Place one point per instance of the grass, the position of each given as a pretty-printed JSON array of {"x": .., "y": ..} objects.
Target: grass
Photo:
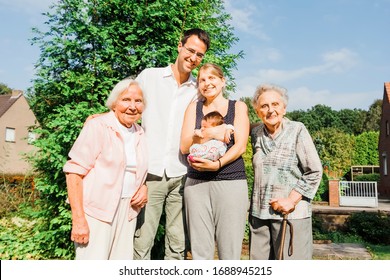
[{"x": 379, "y": 252}]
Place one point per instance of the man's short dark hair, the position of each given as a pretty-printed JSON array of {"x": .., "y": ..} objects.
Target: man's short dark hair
[{"x": 200, "y": 33}]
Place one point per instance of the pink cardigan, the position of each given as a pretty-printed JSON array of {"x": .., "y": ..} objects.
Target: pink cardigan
[{"x": 98, "y": 154}]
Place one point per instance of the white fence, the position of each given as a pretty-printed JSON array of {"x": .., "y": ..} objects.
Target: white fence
[{"x": 358, "y": 194}]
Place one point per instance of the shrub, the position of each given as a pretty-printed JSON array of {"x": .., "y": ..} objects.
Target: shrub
[
  {"x": 372, "y": 227},
  {"x": 375, "y": 177},
  {"x": 15, "y": 190},
  {"x": 18, "y": 239},
  {"x": 322, "y": 193},
  {"x": 17, "y": 180}
]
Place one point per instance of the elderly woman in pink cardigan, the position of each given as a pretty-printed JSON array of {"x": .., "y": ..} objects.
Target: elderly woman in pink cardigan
[{"x": 105, "y": 177}]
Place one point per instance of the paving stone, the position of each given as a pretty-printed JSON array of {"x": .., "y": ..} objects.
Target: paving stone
[{"x": 340, "y": 251}]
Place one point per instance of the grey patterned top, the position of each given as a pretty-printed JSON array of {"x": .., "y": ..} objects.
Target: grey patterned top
[{"x": 289, "y": 161}]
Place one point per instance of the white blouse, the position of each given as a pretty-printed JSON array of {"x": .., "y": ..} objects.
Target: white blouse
[{"x": 129, "y": 187}]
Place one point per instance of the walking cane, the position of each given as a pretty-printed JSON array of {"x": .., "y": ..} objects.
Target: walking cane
[{"x": 285, "y": 221}]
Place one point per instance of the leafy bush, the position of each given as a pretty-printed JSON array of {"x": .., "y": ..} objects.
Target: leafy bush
[
  {"x": 375, "y": 177},
  {"x": 336, "y": 236},
  {"x": 372, "y": 227},
  {"x": 19, "y": 230},
  {"x": 317, "y": 228},
  {"x": 15, "y": 190},
  {"x": 247, "y": 156},
  {"x": 17, "y": 180},
  {"x": 17, "y": 239},
  {"x": 322, "y": 193}
]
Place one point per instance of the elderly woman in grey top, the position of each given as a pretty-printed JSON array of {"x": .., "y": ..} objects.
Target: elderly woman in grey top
[{"x": 288, "y": 172}]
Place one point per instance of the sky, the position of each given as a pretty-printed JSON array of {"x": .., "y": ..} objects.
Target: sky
[{"x": 334, "y": 52}]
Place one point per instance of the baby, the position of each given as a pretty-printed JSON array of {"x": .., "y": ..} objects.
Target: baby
[{"x": 212, "y": 149}]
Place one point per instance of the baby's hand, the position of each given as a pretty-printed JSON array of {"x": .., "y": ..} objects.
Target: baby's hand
[
  {"x": 228, "y": 132},
  {"x": 191, "y": 159},
  {"x": 198, "y": 133}
]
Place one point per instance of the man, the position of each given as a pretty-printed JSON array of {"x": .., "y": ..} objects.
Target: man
[{"x": 167, "y": 92}]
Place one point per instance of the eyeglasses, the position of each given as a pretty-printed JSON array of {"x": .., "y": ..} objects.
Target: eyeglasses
[{"x": 199, "y": 56}]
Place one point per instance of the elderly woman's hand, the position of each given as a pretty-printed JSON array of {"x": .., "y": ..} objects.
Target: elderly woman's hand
[
  {"x": 286, "y": 205},
  {"x": 80, "y": 231},
  {"x": 282, "y": 205},
  {"x": 140, "y": 198}
]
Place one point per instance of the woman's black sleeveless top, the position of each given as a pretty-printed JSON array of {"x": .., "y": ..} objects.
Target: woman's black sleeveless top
[{"x": 232, "y": 171}]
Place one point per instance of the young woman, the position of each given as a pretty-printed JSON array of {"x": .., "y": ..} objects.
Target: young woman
[{"x": 216, "y": 192}]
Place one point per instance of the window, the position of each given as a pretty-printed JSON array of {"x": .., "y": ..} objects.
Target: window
[
  {"x": 384, "y": 158},
  {"x": 31, "y": 137},
  {"x": 9, "y": 134},
  {"x": 387, "y": 128}
]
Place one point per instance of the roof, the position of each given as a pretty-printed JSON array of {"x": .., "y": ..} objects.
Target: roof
[
  {"x": 387, "y": 91},
  {"x": 7, "y": 100}
]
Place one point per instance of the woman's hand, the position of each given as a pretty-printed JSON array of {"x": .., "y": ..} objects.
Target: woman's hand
[
  {"x": 216, "y": 132},
  {"x": 80, "y": 231},
  {"x": 286, "y": 205},
  {"x": 140, "y": 198},
  {"x": 202, "y": 164},
  {"x": 80, "y": 228},
  {"x": 282, "y": 205}
]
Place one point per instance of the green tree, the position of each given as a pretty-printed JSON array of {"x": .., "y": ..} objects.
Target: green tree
[
  {"x": 321, "y": 116},
  {"x": 335, "y": 149},
  {"x": 352, "y": 121},
  {"x": 253, "y": 117},
  {"x": 4, "y": 89},
  {"x": 296, "y": 115},
  {"x": 88, "y": 47},
  {"x": 318, "y": 117},
  {"x": 373, "y": 118},
  {"x": 366, "y": 149}
]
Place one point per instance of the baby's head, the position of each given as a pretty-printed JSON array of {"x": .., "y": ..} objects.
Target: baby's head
[{"x": 211, "y": 119}]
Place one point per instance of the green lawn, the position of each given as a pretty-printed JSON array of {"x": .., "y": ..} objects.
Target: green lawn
[{"x": 379, "y": 252}]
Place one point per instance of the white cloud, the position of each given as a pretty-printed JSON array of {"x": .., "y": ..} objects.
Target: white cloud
[
  {"x": 304, "y": 98},
  {"x": 281, "y": 76},
  {"x": 243, "y": 18},
  {"x": 246, "y": 87},
  {"x": 333, "y": 62},
  {"x": 341, "y": 60},
  {"x": 255, "y": 56}
]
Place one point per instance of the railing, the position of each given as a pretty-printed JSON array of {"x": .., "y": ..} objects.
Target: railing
[{"x": 356, "y": 193}]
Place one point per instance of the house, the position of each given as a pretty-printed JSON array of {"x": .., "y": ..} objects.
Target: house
[
  {"x": 16, "y": 118},
  {"x": 384, "y": 145}
]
